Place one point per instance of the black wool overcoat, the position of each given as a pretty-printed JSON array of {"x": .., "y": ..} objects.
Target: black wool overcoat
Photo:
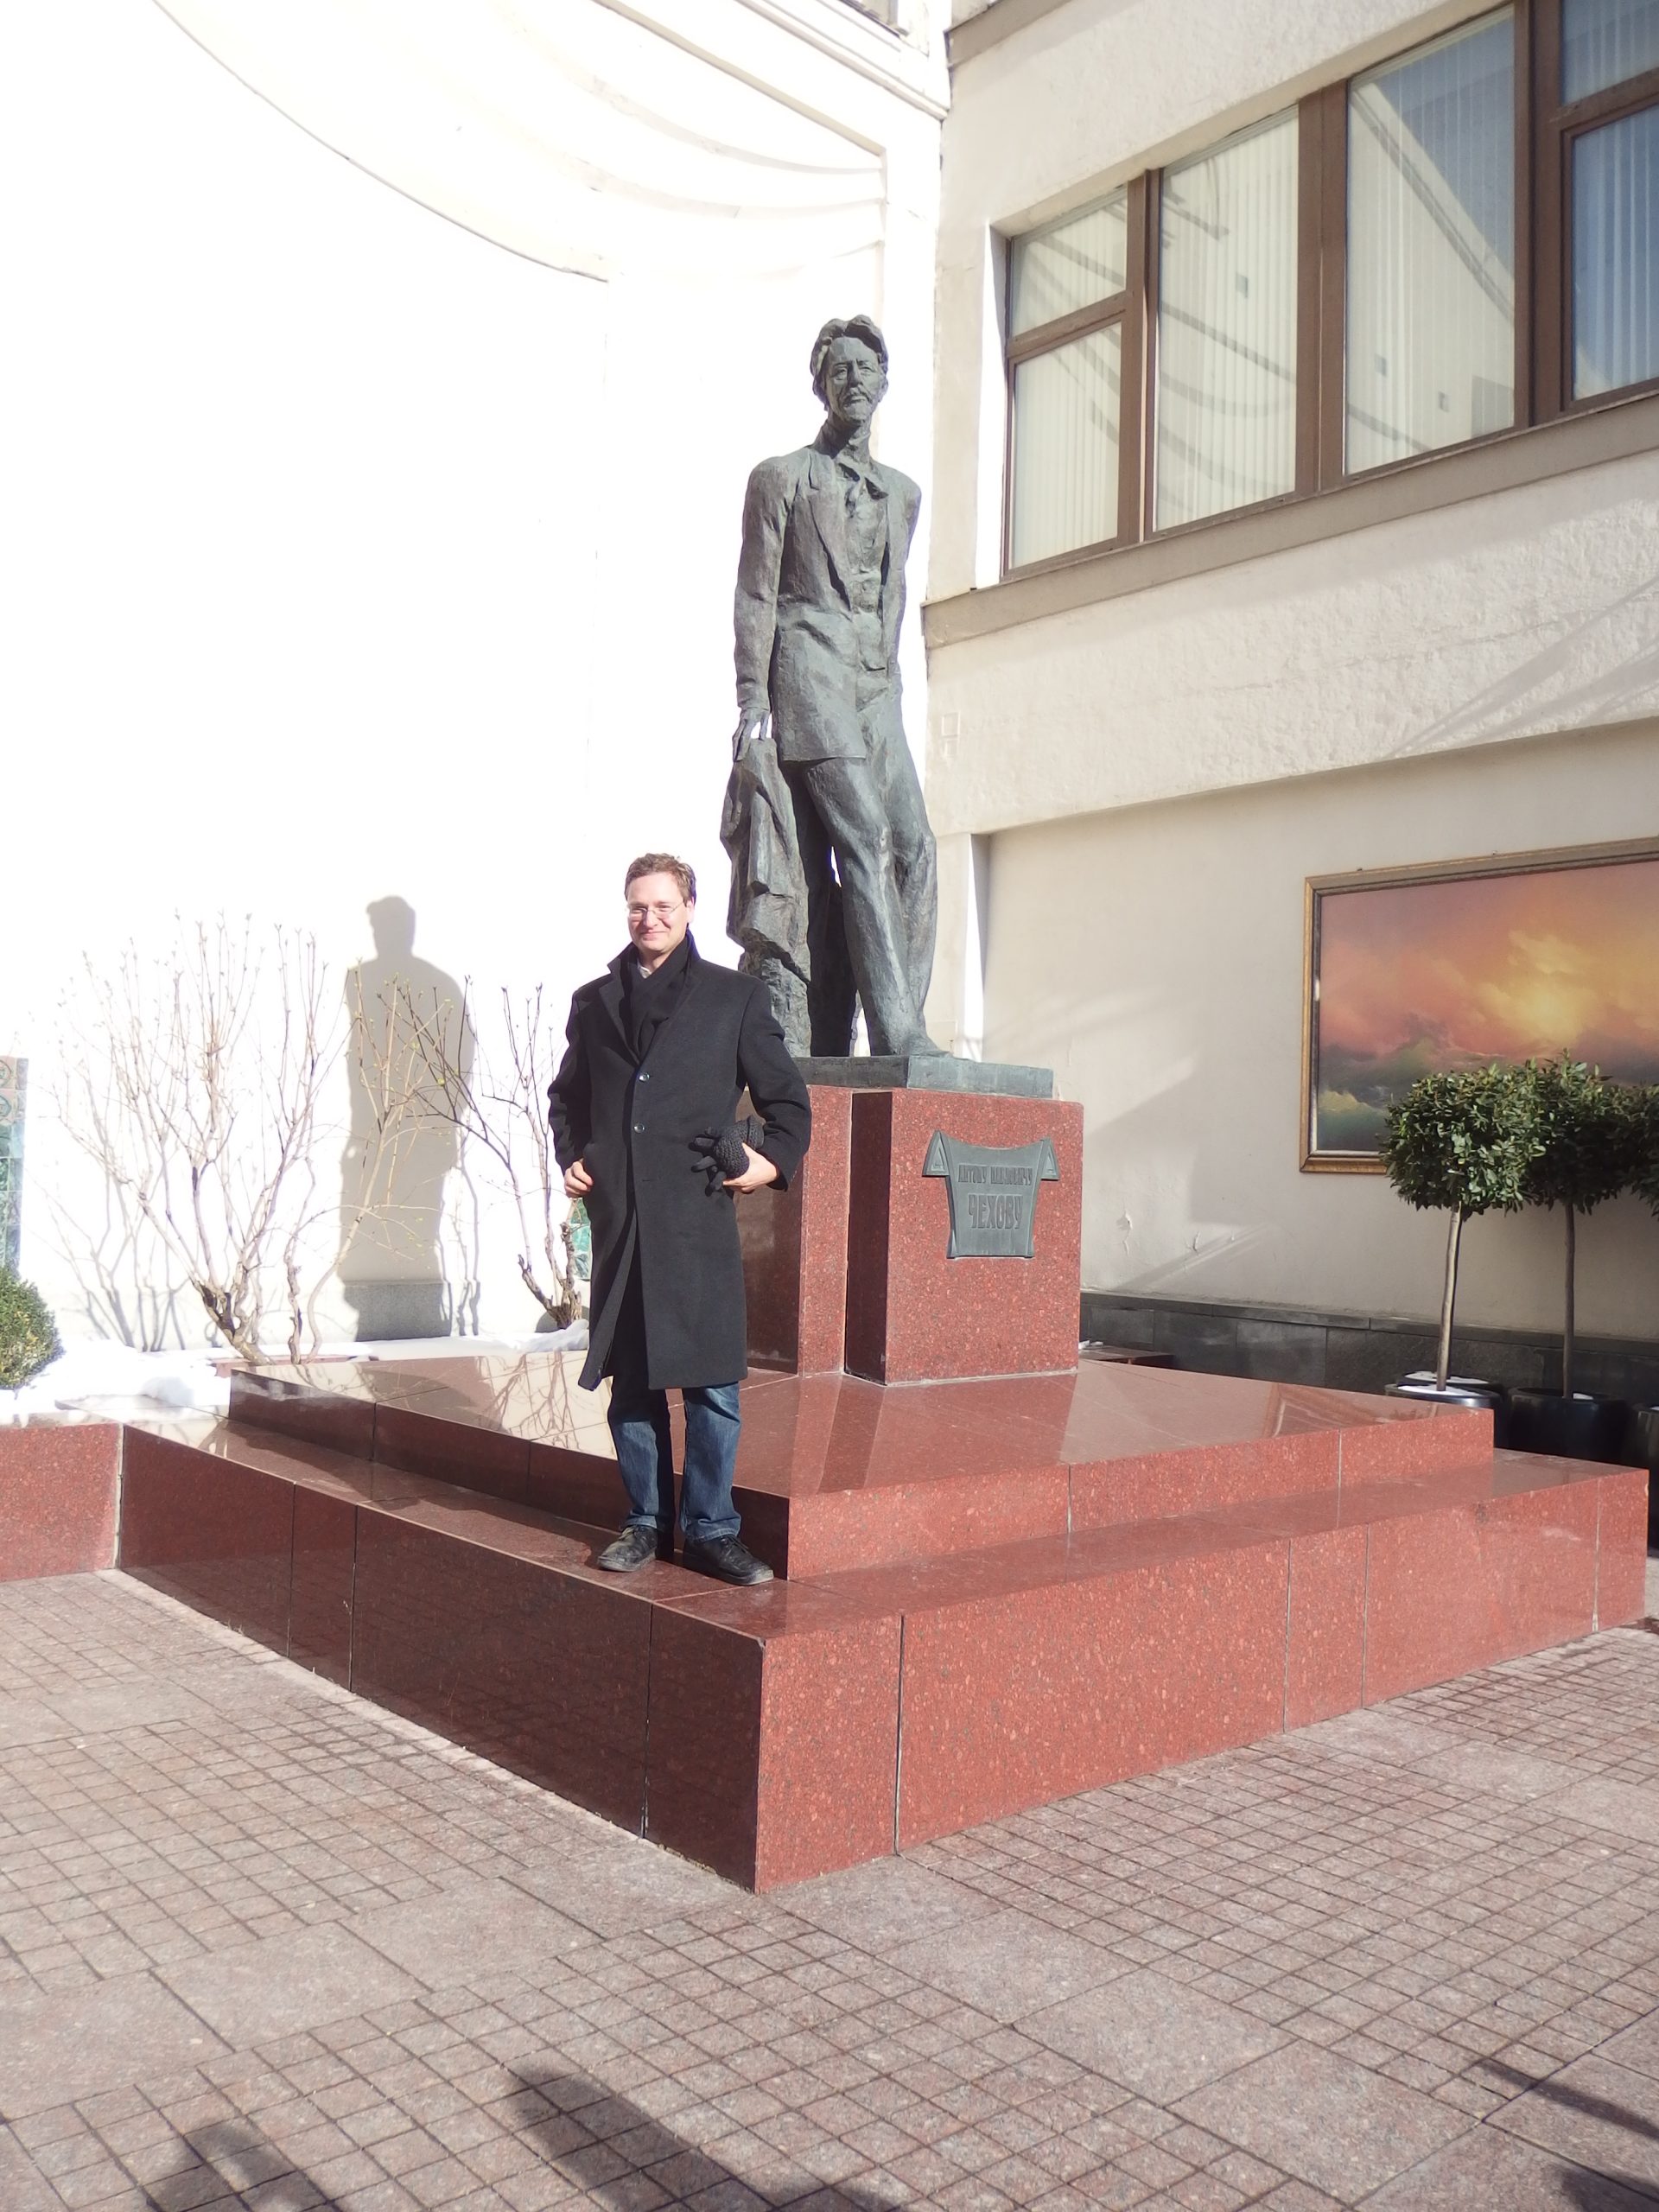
[{"x": 634, "y": 1125}]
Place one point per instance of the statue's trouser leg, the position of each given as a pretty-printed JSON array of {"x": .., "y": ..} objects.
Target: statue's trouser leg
[
  {"x": 914, "y": 860},
  {"x": 830, "y": 984},
  {"x": 847, "y": 796}
]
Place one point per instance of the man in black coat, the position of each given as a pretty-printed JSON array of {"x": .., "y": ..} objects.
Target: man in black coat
[{"x": 661, "y": 1048}]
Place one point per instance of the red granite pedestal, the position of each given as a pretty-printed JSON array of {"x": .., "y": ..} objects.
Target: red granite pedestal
[
  {"x": 851, "y": 1269},
  {"x": 1000, "y": 1577},
  {"x": 59, "y": 1481},
  {"x": 991, "y": 1593}
]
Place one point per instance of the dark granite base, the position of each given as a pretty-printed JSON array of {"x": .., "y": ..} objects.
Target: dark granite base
[
  {"x": 931, "y": 1072},
  {"x": 1355, "y": 1351}
]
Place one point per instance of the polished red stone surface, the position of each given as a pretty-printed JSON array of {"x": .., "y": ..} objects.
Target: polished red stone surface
[
  {"x": 835, "y": 1473},
  {"x": 542, "y": 1672},
  {"x": 58, "y": 1485},
  {"x": 1013, "y": 1700},
  {"x": 1622, "y": 1547},
  {"x": 795, "y": 1250},
  {"x": 321, "y": 1588},
  {"x": 775, "y": 1732},
  {"x": 1325, "y": 1653},
  {"x": 1000, "y": 1592},
  {"x": 914, "y": 1313},
  {"x": 304, "y": 1405},
  {"x": 224, "y": 1546},
  {"x": 1466, "y": 1587}
]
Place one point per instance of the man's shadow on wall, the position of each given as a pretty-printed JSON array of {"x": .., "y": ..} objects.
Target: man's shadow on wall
[{"x": 410, "y": 1041}]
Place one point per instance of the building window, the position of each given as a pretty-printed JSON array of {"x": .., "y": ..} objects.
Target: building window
[
  {"x": 1068, "y": 294},
  {"x": 1609, "y": 59},
  {"x": 1431, "y": 247},
  {"x": 1226, "y": 403},
  {"x": 1462, "y": 241}
]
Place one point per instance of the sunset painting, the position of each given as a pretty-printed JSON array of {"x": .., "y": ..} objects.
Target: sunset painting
[{"x": 1409, "y": 977}]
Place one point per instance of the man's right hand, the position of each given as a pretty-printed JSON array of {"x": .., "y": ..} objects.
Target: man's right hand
[
  {"x": 577, "y": 1181},
  {"x": 751, "y": 729}
]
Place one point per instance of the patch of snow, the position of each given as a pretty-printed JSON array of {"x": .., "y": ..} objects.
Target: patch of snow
[{"x": 99, "y": 1377}]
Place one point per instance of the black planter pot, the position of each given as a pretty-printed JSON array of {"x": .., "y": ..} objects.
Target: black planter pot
[
  {"x": 1642, "y": 1450},
  {"x": 1579, "y": 1427},
  {"x": 1460, "y": 1390}
]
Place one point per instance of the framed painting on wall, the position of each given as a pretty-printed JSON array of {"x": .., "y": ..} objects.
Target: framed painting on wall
[{"x": 1411, "y": 971}]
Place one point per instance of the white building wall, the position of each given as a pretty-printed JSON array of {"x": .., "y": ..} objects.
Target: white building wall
[
  {"x": 1158, "y": 768},
  {"x": 386, "y": 384},
  {"x": 1152, "y": 957}
]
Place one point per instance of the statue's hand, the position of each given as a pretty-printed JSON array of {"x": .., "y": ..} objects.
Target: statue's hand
[{"x": 751, "y": 729}]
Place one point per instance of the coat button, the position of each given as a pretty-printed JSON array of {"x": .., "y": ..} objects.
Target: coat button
[
  {"x": 639, "y": 1128},
  {"x": 644, "y": 1078}
]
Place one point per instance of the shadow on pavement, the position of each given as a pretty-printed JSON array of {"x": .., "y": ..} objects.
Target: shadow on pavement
[
  {"x": 606, "y": 2143},
  {"x": 601, "y": 2143}
]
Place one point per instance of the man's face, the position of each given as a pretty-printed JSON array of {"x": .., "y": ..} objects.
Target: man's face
[
  {"x": 853, "y": 382},
  {"x": 659, "y": 917}
]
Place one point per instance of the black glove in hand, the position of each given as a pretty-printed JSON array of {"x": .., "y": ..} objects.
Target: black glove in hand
[{"x": 724, "y": 1148}]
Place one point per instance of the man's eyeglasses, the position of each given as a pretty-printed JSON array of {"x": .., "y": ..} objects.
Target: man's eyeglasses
[{"x": 656, "y": 914}]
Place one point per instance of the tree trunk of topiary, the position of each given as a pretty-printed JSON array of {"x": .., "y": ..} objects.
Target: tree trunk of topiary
[
  {"x": 1569, "y": 1328},
  {"x": 1443, "y": 1358}
]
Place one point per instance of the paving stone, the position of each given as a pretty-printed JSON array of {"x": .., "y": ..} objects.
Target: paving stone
[
  {"x": 25, "y": 1720},
  {"x": 57, "y": 2047},
  {"x": 1154, "y": 2036},
  {"x": 1473, "y": 1769},
  {"x": 1488, "y": 2171},
  {"x": 618, "y": 1889},
  {"x": 1621, "y": 1809},
  {"x": 1005, "y": 1964},
  {"x": 1323, "y": 2120},
  {"x": 147, "y": 1702},
  {"x": 468, "y": 1934},
  {"x": 891, "y": 1902},
  {"x": 444, "y": 1987},
  {"x": 260, "y": 1991},
  {"x": 23, "y": 2187},
  {"x": 1597, "y": 2114}
]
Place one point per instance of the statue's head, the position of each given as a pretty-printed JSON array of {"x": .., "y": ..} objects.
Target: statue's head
[
  {"x": 392, "y": 921},
  {"x": 850, "y": 370}
]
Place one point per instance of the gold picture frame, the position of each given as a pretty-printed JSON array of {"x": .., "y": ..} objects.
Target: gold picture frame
[{"x": 1394, "y": 987}]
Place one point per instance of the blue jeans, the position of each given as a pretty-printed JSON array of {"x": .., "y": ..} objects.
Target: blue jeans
[{"x": 644, "y": 1456}]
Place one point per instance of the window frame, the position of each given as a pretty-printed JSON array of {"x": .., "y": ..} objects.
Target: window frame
[
  {"x": 1557, "y": 126},
  {"x": 1128, "y": 309},
  {"x": 1545, "y": 131}
]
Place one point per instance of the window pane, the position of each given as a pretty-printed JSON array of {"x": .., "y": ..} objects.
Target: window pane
[
  {"x": 1604, "y": 42},
  {"x": 1226, "y": 395},
  {"x": 1066, "y": 447},
  {"x": 1615, "y": 251},
  {"x": 1077, "y": 262},
  {"x": 1431, "y": 247}
]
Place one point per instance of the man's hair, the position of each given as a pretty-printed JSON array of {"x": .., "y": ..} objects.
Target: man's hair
[
  {"x": 663, "y": 864},
  {"x": 856, "y": 326}
]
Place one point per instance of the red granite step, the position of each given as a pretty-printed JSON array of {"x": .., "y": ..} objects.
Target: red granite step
[
  {"x": 782, "y": 1731},
  {"x": 834, "y": 1472}
]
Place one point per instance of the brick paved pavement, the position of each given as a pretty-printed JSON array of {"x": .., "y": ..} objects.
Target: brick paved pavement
[{"x": 261, "y": 1945}]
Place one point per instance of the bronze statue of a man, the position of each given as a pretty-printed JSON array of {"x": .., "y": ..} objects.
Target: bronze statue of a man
[{"x": 834, "y": 886}]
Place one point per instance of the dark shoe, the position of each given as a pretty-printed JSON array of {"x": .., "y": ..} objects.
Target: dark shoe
[
  {"x": 633, "y": 1548},
  {"x": 728, "y": 1559}
]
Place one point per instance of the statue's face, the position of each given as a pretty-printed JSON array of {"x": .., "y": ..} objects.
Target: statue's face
[{"x": 853, "y": 382}]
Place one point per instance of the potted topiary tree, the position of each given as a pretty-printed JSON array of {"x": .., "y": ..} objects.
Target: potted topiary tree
[
  {"x": 1586, "y": 1155},
  {"x": 1461, "y": 1143}
]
